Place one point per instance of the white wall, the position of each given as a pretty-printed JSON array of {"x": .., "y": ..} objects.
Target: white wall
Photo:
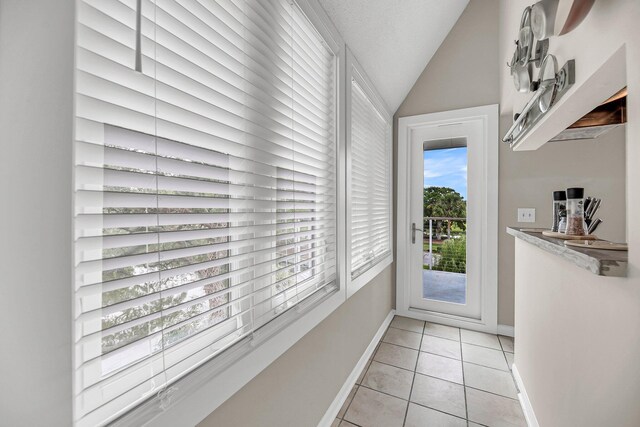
[
  {"x": 577, "y": 334},
  {"x": 36, "y": 88},
  {"x": 577, "y": 342}
]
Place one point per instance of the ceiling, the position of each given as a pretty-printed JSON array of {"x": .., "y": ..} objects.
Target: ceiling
[{"x": 393, "y": 39}]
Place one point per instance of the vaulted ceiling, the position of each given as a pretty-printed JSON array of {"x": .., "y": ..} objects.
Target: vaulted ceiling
[{"x": 394, "y": 39}]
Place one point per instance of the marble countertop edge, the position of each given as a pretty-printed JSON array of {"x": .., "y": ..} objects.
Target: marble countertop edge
[{"x": 597, "y": 261}]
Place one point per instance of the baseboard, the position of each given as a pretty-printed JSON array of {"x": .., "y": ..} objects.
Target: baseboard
[
  {"x": 506, "y": 330},
  {"x": 529, "y": 415},
  {"x": 448, "y": 320},
  {"x": 335, "y": 406}
]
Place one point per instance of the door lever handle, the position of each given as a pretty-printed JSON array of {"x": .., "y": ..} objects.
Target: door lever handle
[{"x": 413, "y": 232}]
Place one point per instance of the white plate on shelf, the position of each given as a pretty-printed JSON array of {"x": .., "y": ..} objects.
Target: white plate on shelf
[
  {"x": 563, "y": 236},
  {"x": 597, "y": 244}
]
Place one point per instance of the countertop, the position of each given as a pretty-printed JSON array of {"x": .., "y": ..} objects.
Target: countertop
[{"x": 598, "y": 261}]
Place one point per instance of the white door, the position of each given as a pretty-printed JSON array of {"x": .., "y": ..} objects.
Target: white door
[
  {"x": 449, "y": 274},
  {"x": 445, "y": 267}
]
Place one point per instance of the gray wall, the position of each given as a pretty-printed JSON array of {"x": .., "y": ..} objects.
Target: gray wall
[
  {"x": 297, "y": 389},
  {"x": 463, "y": 73},
  {"x": 466, "y": 72},
  {"x": 447, "y": 82},
  {"x": 577, "y": 346},
  {"x": 528, "y": 178},
  {"x": 36, "y": 92}
]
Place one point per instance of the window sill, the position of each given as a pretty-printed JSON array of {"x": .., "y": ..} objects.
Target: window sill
[
  {"x": 198, "y": 394},
  {"x": 359, "y": 282}
]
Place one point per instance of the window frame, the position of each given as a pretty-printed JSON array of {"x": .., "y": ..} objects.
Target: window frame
[
  {"x": 356, "y": 73},
  {"x": 196, "y": 395}
]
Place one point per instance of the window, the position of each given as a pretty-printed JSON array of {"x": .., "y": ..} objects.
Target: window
[
  {"x": 369, "y": 181},
  {"x": 205, "y": 186}
]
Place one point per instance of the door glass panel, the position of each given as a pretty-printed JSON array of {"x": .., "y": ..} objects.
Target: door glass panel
[{"x": 444, "y": 271}]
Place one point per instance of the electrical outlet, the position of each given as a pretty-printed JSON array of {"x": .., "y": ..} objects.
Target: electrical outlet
[{"x": 526, "y": 215}]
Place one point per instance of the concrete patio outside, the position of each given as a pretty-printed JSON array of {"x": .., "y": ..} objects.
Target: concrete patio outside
[{"x": 444, "y": 286}]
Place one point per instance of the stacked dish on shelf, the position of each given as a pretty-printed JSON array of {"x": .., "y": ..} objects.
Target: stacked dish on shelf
[{"x": 544, "y": 19}]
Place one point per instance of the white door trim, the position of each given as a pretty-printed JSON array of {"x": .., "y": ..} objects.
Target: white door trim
[{"x": 488, "y": 321}]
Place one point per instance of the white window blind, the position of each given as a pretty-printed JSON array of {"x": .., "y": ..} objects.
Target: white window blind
[
  {"x": 205, "y": 186},
  {"x": 370, "y": 183}
]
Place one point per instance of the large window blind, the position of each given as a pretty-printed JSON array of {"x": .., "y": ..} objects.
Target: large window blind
[
  {"x": 205, "y": 185},
  {"x": 370, "y": 183}
]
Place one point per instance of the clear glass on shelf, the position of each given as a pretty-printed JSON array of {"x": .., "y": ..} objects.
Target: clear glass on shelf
[
  {"x": 575, "y": 212},
  {"x": 559, "y": 211}
]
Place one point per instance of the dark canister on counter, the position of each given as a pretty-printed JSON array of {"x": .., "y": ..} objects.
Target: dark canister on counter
[
  {"x": 559, "y": 211},
  {"x": 575, "y": 212}
]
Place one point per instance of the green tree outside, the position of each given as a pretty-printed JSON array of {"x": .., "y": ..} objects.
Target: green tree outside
[{"x": 444, "y": 202}]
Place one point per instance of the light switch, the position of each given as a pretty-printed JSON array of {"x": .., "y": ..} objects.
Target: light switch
[{"x": 526, "y": 215}]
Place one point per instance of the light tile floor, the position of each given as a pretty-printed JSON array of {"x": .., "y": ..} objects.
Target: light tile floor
[{"x": 425, "y": 374}]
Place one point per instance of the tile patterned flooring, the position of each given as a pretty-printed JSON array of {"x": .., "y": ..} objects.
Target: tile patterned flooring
[{"x": 425, "y": 374}]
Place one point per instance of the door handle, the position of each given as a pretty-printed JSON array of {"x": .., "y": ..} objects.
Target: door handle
[{"x": 413, "y": 232}]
